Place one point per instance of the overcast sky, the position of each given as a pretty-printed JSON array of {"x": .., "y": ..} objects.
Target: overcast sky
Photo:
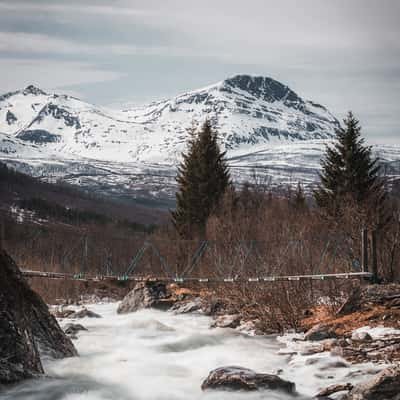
[{"x": 344, "y": 54}]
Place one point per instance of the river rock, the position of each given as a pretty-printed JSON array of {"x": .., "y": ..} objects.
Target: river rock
[
  {"x": 384, "y": 386},
  {"x": 187, "y": 306},
  {"x": 226, "y": 321},
  {"x": 361, "y": 336},
  {"x": 215, "y": 306},
  {"x": 147, "y": 294},
  {"x": 27, "y": 329},
  {"x": 238, "y": 378},
  {"x": 72, "y": 329},
  {"x": 320, "y": 332},
  {"x": 63, "y": 313},
  {"x": 341, "y": 387},
  {"x": 84, "y": 313}
]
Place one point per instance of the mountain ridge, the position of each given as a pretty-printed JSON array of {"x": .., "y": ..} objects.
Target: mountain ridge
[
  {"x": 133, "y": 153},
  {"x": 245, "y": 110}
]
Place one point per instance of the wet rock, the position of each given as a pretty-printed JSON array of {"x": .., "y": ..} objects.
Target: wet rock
[
  {"x": 226, "y": 321},
  {"x": 328, "y": 344},
  {"x": 147, "y": 294},
  {"x": 251, "y": 328},
  {"x": 63, "y": 313},
  {"x": 243, "y": 379},
  {"x": 84, "y": 313},
  {"x": 187, "y": 306},
  {"x": 311, "y": 349},
  {"x": 334, "y": 365},
  {"x": 395, "y": 303},
  {"x": 361, "y": 336},
  {"x": 27, "y": 329},
  {"x": 325, "y": 393},
  {"x": 320, "y": 332},
  {"x": 72, "y": 329},
  {"x": 384, "y": 386},
  {"x": 214, "y": 306}
]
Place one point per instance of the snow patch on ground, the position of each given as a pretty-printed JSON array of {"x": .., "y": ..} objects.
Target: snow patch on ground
[{"x": 378, "y": 332}]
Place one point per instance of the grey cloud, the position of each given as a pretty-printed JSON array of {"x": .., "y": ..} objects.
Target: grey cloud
[{"x": 343, "y": 53}]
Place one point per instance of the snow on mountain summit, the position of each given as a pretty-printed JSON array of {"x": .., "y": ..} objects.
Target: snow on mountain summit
[
  {"x": 133, "y": 153},
  {"x": 246, "y": 110}
]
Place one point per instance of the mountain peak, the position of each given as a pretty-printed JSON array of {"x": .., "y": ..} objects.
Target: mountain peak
[
  {"x": 262, "y": 87},
  {"x": 31, "y": 89}
]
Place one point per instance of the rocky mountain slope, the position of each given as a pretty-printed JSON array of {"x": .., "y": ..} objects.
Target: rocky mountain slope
[{"x": 246, "y": 110}]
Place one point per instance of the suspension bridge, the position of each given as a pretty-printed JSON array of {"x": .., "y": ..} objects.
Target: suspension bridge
[{"x": 196, "y": 269}]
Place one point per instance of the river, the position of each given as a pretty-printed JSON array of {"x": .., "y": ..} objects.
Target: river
[{"x": 153, "y": 355}]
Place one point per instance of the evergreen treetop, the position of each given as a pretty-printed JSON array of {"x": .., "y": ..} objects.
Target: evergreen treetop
[
  {"x": 348, "y": 170},
  {"x": 202, "y": 178}
]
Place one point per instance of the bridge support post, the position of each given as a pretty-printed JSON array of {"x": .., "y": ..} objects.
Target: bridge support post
[
  {"x": 374, "y": 249},
  {"x": 364, "y": 250}
]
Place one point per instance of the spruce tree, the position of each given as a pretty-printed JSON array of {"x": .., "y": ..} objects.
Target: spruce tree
[
  {"x": 349, "y": 172},
  {"x": 202, "y": 178}
]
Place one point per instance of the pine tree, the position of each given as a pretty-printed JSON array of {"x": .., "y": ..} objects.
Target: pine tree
[
  {"x": 348, "y": 171},
  {"x": 203, "y": 177}
]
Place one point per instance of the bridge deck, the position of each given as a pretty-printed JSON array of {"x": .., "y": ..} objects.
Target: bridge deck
[{"x": 261, "y": 279}]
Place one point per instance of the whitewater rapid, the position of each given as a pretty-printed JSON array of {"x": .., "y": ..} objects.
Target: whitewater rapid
[{"x": 154, "y": 355}]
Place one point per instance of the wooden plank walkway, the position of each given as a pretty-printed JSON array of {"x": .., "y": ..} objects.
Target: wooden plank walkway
[{"x": 261, "y": 279}]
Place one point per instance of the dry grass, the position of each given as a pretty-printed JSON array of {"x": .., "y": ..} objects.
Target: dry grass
[{"x": 345, "y": 325}]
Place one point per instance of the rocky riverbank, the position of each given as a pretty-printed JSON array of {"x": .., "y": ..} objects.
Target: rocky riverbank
[
  {"x": 279, "y": 370},
  {"x": 28, "y": 331},
  {"x": 364, "y": 329}
]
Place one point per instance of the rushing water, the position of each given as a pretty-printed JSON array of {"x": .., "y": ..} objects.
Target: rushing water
[{"x": 151, "y": 355}]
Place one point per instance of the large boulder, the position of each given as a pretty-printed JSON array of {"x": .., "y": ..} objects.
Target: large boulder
[
  {"x": 385, "y": 386},
  {"x": 27, "y": 329},
  {"x": 148, "y": 294},
  {"x": 238, "y": 378}
]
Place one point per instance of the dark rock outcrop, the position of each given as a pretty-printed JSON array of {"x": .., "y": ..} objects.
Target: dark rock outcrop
[
  {"x": 238, "y": 378},
  {"x": 27, "y": 329},
  {"x": 385, "y": 386},
  {"x": 146, "y": 294}
]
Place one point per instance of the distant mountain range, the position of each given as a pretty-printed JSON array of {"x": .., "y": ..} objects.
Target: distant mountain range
[{"x": 262, "y": 124}]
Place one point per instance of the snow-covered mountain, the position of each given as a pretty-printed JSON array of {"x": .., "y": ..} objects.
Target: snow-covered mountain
[
  {"x": 246, "y": 110},
  {"x": 260, "y": 122}
]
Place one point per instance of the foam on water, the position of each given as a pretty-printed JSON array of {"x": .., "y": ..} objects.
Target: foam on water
[{"x": 151, "y": 355}]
